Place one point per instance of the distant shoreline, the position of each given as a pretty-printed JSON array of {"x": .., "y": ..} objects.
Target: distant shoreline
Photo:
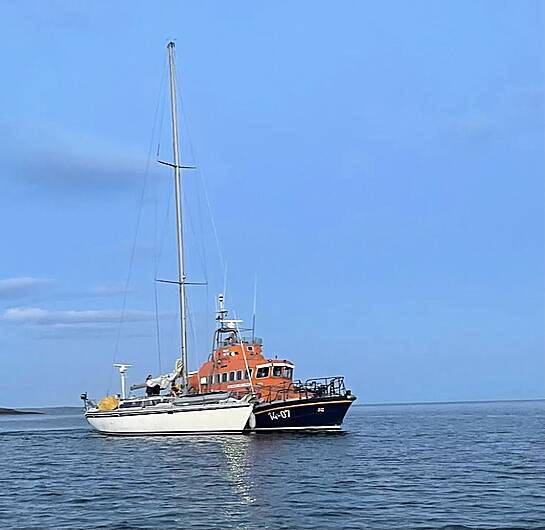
[{"x": 16, "y": 412}]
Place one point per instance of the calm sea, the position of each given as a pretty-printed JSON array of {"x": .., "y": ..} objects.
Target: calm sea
[{"x": 480, "y": 465}]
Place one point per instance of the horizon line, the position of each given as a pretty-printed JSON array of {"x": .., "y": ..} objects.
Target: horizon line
[
  {"x": 399, "y": 403},
  {"x": 378, "y": 404}
]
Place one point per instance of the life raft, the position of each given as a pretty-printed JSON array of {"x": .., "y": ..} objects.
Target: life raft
[{"x": 108, "y": 403}]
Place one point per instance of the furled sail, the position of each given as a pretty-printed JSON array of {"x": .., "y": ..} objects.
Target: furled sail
[{"x": 165, "y": 380}]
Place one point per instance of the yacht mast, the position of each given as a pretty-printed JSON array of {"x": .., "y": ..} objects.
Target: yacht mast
[{"x": 179, "y": 223}]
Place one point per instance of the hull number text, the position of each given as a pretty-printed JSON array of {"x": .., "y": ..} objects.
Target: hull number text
[{"x": 280, "y": 415}]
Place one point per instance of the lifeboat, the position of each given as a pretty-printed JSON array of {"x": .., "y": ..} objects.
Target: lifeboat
[{"x": 238, "y": 366}]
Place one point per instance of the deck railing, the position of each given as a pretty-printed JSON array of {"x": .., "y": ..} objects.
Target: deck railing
[
  {"x": 320, "y": 387},
  {"x": 258, "y": 341}
]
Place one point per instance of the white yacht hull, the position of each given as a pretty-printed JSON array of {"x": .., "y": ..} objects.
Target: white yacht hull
[{"x": 174, "y": 420}]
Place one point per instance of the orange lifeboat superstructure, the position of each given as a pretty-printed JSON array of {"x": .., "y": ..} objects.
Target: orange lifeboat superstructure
[{"x": 237, "y": 365}]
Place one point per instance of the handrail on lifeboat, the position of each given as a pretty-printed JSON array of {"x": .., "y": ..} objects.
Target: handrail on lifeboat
[{"x": 319, "y": 387}]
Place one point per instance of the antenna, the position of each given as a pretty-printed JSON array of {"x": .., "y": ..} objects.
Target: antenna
[
  {"x": 221, "y": 312},
  {"x": 254, "y": 308},
  {"x": 225, "y": 279},
  {"x": 225, "y": 323},
  {"x": 122, "y": 369}
]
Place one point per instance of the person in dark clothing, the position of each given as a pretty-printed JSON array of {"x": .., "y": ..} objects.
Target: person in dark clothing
[{"x": 151, "y": 389}]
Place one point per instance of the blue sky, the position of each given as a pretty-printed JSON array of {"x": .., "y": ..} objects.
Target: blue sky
[{"x": 378, "y": 165}]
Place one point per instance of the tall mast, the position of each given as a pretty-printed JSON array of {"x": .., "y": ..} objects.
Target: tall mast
[{"x": 179, "y": 223}]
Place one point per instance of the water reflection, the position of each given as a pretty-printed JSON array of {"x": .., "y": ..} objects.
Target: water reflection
[{"x": 237, "y": 455}]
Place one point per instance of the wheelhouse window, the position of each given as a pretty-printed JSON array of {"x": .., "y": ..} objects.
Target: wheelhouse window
[
  {"x": 277, "y": 371},
  {"x": 263, "y": 372},
  {"x": 218, "y": 376},
  {"x": 224, "y": 377},
  {"x": 248, "y": 375},
  {"x": 288, "y": 372},
  {"x": 239, "y": 375},
  {"x": 231, "y": 376},
  {"x": 210, "y": 379}
]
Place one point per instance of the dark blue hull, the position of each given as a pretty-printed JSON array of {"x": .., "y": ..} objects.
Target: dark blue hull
[{"x": 318, "y": 413}]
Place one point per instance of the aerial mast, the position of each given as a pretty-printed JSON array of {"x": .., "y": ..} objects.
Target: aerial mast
[{"x": 179, "y": 220}]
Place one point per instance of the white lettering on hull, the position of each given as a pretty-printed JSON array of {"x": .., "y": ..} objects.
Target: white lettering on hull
[{"x": 281, "y": 414}]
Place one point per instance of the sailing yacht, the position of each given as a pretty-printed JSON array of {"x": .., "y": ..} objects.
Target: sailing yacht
[{"x": 182, "y": 411}]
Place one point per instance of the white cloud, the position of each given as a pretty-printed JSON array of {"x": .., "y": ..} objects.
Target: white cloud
[
  {"x": 108, "y": 291},
  {"x": 66, "y": 161},
  {"x": 95, "y": 292},
  {"x": 477, "y": 125},
  {"x": 12, "y": 288},
  {"x": 66, "y": 318}
]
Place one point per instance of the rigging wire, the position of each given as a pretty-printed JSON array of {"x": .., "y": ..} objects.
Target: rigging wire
[
  {"x": 158, "y": 256},
  {"x": 163, "y": 230},
  {"x": 162, "y": 111},
  {"x": 201, "y": 247},
  {"x": 156, "y": 223},
  {"x": 200, "y": 171},
  {"x": 134, "y": 241},
  {"x": 193, "y": 327},
  {"x": 244, "y": 353},
  {"x": 202, "y": 255},
  {"x": 157, "y": 327}
]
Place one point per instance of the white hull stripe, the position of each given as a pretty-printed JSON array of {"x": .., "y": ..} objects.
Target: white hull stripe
[{"x": 143, "y": 412}]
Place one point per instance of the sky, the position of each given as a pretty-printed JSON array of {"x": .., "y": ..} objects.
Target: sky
[{"x": 375, "y": 168}]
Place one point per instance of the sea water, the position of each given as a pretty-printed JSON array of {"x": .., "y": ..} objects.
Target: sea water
[{"x": 480, "y": 465}]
